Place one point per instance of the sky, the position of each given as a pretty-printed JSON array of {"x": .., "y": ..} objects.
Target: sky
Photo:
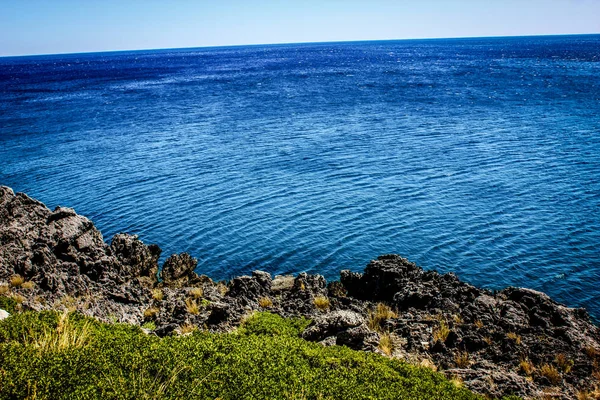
[{"x": 72, "y": 26}]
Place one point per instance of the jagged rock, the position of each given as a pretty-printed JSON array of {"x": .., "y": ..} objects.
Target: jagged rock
[
  {"x": 438, "y": 316},
  {"x": 136, "y": 258},
  {"x": 263, "y": 278},
  {"x": 282, "y": 282},
  {"x": 331, "y": 324},
  {"x": 246, "y": 288},
  {"x": 179, "y": 267}
]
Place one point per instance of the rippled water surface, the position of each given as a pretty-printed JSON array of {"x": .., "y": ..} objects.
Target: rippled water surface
[{"x": 478, "y": 156}]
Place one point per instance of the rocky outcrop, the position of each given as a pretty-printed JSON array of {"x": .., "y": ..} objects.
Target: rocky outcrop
[{"x": 515, "y": 341}]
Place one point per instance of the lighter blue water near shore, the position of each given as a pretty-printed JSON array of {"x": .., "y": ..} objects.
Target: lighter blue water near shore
[{"x": 477, "y": 156}]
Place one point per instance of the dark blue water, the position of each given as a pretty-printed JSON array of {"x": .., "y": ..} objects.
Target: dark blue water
[{"x": 478, "y": 156}]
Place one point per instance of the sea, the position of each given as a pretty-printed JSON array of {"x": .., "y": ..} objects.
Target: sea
[{"x": 476, "y": 156}]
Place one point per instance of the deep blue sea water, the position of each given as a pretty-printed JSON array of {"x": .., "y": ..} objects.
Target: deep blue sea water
[{"x": 476, "y": 156}]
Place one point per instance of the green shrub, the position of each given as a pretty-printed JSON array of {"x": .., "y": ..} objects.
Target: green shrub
[
  {"x": 8, "y": 304},
  {"x": 264, "y": 323},
  {"x": 265, "y": 360}
]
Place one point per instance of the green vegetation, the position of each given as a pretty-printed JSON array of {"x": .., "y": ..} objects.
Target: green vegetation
[{"x": 49, "y": 355}]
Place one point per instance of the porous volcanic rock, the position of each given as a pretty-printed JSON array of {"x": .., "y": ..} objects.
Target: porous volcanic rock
[{"x": 497, "y": 343}]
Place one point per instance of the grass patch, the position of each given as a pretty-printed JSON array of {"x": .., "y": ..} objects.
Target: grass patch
[
  {"x": 16, "y": 280},
  {"x": 157, "y": 294},
  {"x": 197, "y": 292},
  {"x": 191, "y": 305},
  {"x": 265, "y": 302},
  {"x": 380, "y": 314},
  {"x": 441, "y": 332},
  {"x": 550, "y": 372},
  {"x": 151, "y": 312},
  {"x": 526, "y": 366},
  {"x": 386, "y": 343},
  {"x": 263, "y": 360},
  {"x": 8, "y": 304},
  {"x": 514, "y": 337},
  {"x": 321, "y": 302}
]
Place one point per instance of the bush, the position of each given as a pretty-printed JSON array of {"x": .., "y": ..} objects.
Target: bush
[
  {"x": 8, "y": 304},
  {"x": 118, "y": 361}
]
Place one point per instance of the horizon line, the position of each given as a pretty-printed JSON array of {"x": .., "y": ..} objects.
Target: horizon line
[{"x": 293, "y": 43}]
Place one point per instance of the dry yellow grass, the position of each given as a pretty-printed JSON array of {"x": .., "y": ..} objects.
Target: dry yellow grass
[
  {"x": 478, "y": 324},
  {"x": 16, "y": 280},
  {"x": 457, "y": 381},
  {"x": 321, "y": 302},
  {"x": 441, "y": 332},
  {"x": 488, "y": 340},
  {"x": 67, "y": 302},
  {"x": 381, "y": 313},
  {"x": 157, "y": 294},
  {"x": 427, "y": 363},
  {"x": 187, "y": 328},
  {"x": 66, "y": 335},
  {"x": 588, "y": 395},
  {"x": 222, "y": 288},
  {"x": 526, "y": 366},
  {"x": 514, "y": 337},
  {"x": 591, "y": 351},
  {"x": 197, "y": 292},
  {"x": 386, "y": 343},
  {"x": 18, "y": 298},
  {"x": 563, "y": 363},
  {"x": 265, "y": 302},
  {"x": 151, "y": 312},
  {"x": 4, "y": 289},
  {"x": 458, "y": 319},
  {"x": 192, "y": 306},
  {"x": 462, "y": 359},
  {"x": 550, "y": 372},
  {"x": 28, "y": 285}
]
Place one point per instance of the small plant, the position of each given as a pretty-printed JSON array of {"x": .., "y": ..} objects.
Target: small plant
[
  {"x": 321, "y": 302},
  {"x": 16, "y": 280},
  {"x": 336, "y": 289},
  {"x": 386, "y": 343},
  {"x": 590, "y": 351},
  {"x": 150, "y": 325},
  {"x": 67, "y": 302},
  {"x": 551, "y": 373},
  {"x": 222, "y": 288},
  {"x": 440, "y": 333},
  {"x": 65, "y": 336},
  {"x": 462, "y": 359},
  {"x": 488, "y": 340},
  {"x": 563, "y": 363},
  {"x": 4, "y": 288},
  {"x": 457, "y": 381},
  {"x": 478, "y": 324},
  {"x": 187, "y": 328},
  {"x": 514, "y": 337},
  {"x": 151, "y": 312},
  {"x": 458, "y": 319},
  {"x": 526, "y": 366},
  {"x": 18, "y": 298},
  {"x": 265, "y": 302},
  {"x": 192, "y": 306},
  {"x": 197, "y": 292},
  {"x": 427, "y": 363},
  {"x": 157, "y": 294},
  {"x": 28, "y": 285},
  {"x": 381, "y": 313}
]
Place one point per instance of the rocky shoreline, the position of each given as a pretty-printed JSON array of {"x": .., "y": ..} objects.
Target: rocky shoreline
[{"x": 514, "y": 341}]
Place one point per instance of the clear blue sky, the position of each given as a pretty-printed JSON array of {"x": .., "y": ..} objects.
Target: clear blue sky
[{"x": 66, "y": 26}]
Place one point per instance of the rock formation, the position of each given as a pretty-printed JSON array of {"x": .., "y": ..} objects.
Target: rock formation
[{"x": 515, "y": 341}]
